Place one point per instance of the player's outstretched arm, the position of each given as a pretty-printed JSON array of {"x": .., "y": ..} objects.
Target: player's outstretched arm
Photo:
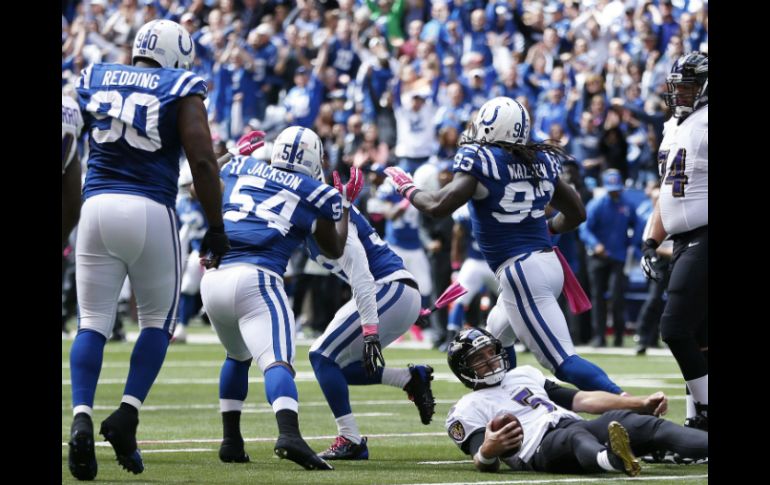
[
  {"x": 439, "y": 203},
  {"x": 572, "y": 212},
  {"x": 597, "y": 402}
]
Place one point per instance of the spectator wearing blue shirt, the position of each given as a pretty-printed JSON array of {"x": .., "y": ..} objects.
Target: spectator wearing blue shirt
[
  {"x": 509, "y": 85},
  {"x": 605, "y": 235},
  {"x": 668, "y": 27},
  {"x": 439, "y": 13},
  {"x": 457, "y": 112},
  {"x": 261, "y": 67},
  {"x": 303, "y": 101},
  {"x": 692, "y": 32},
  {"x": 553, "y": 111},
  {"x": 342, "y": 51}
]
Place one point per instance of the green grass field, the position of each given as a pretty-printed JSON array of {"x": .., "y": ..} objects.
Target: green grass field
[{"x": 180, "y": 426}]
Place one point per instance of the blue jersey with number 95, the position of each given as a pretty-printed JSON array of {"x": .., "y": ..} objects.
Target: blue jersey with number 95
[
  {"x": 510, "y": 220},
  {"x": 269, "y": 211},
  {"x": 131, "y": 116}
]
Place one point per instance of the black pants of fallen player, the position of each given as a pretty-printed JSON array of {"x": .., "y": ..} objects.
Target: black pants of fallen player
[
  {"x": 684, "y": 324},
  {"x": 572, "y": 446}
]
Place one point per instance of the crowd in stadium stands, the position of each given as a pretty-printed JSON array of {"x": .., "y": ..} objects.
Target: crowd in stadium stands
[{"x": 394, "y": 83}]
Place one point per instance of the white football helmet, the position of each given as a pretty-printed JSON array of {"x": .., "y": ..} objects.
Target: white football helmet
[
  {"x": 166, "y": 43},
  {"x": 299, "y": 149},
  {"x": 500, "y": 119}
]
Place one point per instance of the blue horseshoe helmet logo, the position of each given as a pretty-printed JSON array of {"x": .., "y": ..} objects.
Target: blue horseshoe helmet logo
[
  {"x": 492, "y": 120},
  {"x": 181, "y": 48}
]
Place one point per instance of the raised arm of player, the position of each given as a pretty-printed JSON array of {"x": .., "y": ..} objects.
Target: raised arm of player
[{"x": 439, "y": 203}]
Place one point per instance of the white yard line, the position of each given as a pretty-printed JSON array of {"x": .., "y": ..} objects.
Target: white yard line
[
  {"x": 271, "y": 439},
  {"x": 196, "y": 339}
]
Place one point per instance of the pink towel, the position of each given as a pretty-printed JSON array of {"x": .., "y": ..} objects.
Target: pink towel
[{"x": 576, "y": 297}]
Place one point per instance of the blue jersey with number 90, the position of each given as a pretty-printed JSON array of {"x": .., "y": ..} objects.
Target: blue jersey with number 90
[
  {"x": 268, "y": 211},
  {"x": 510, "y": 220},
  {"x": 131, "y": 116}
]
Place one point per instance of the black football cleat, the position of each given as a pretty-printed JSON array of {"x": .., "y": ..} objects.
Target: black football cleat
[
  {"x": 344, "y": 449},
  {"x": 120, "y": 430},
  {"x": 419, "y": 391},
  {"x": 698, "y": 422},
  {"x": 232, "y": 451},
  {"x": 82, "y": 458},
  {"x": 297, "y": 450}
]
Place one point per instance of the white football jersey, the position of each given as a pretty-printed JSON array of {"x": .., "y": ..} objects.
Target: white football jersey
[
  {"x": 71, "y": 127},
  {"x": 684, "y": 165},
  {"x": 522, "y": 394}
]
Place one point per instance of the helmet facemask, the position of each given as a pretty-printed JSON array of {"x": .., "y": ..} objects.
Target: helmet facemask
[
  {"x": 683, "y": 93},
  {"x": 687, "y": 84},
  {"x": 488, "y": 371},
  {"x": 477, "y": 359}
]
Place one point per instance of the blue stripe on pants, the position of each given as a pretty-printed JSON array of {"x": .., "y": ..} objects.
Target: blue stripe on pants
[
  {"x": 357, "y": 331},
  {"x": 286, "y": 323},
  {"x": 522, "y": 311},
  {"x": 273, "y": 316},
  {"x": 536, "y": 312},
  {"x": 177, "y": 278},
  {"x": 352, "y": 318}
]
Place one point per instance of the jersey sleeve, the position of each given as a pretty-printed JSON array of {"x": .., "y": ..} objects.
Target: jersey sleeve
[
  {"x": 464, "y": 419},
  {"x": 477, "y": 161},
  {"x": 327, "y": 201},
  {"x": 189, "y": 84},
  {"x": 355, "y": 264}
]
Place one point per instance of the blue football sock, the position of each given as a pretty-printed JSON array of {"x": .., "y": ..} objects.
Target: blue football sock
[
  {"x": 85, "y": 365},
  {"x": 332, "y": 382},
  {"x": 586, "y": 375},
  {"x": 186, "y": 308},
  {"x": 280, "y": 383},
  {"x": 146, "y": 361},
  {"x": 234, "y": 379},
  {"x": 356, "y": 375}
]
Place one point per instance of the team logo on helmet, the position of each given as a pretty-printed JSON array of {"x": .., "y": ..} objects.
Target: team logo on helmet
[
  {"x": 492, "y": 120},
  {"x": 181, "y": 47},
  {"x": 457, "y": 431}
]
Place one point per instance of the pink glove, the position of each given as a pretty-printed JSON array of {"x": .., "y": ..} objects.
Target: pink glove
[
  {"x": 369, "y": 329},
  {"x": 350, "y": 190},
  {"x": 249, "y": 142},
  {"x": 403, "y": 182}
]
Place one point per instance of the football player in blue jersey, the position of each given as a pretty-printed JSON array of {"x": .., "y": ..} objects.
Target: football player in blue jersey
[
  {"x": 71, "y": 127},
  {"x": 474, "y": 273},
  {"x": 139, "y": 118},
  {"x": 508, "y": 183},
  {"x": 192, "y": 228},
  {"x": 269, "y": 210},
  {"x": 385, "y": 303}
]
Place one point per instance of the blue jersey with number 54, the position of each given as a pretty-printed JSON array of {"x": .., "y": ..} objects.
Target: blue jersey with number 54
[
  {"x": 510, "y": 220},
  {"x": 131, "y": 116},
  {"x": 268, "y": 211}
]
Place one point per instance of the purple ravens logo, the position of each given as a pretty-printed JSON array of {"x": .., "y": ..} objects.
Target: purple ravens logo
[{"x": 457, "y": 431}]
